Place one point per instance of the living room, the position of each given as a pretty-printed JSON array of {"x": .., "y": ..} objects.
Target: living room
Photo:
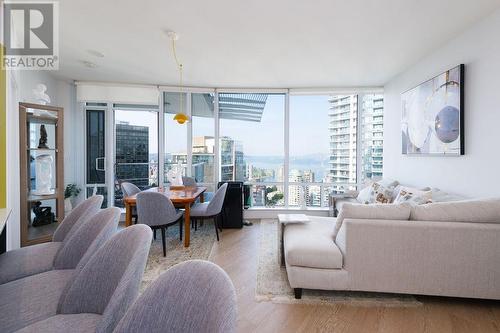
[{"x": 261, "y": 166}]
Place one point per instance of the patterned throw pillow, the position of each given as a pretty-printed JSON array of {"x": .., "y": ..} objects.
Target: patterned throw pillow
[
  {"x": 375, "y": 193},
  {"x": 413, "y": 195}
]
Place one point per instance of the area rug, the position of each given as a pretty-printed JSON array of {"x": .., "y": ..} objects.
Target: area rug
[
  {"x": 200, "y": 247},
  {"x": 272, "y": 281}
]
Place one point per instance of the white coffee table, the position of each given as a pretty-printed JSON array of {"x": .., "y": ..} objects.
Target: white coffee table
[{"x": 284, "y": 219}]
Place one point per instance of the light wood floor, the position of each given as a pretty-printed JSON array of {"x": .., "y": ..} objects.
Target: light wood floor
[{"x": 237, "y": 254}]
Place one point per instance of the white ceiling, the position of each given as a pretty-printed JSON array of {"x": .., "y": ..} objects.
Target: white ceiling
[{"x": 258, "y": 43}]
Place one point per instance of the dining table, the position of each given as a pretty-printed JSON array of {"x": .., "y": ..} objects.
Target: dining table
[{"x": 181, "y": 197}]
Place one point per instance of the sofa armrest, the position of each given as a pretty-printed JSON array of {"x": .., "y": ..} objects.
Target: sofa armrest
[{"x": 411, "y": 256}]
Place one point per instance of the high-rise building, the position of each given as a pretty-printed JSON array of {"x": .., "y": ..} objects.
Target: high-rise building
[
  {"x": 132, "y": 156},
  {"x": 298, "y": 193},
  {"x": 343, "y": 129},
  {"x": 232, "y": 163}
]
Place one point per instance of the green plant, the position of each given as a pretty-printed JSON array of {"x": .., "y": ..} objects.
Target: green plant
[{"x": 71, "y": 190}]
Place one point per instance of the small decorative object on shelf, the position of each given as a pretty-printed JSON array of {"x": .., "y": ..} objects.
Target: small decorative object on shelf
[
  {"x": 71, "y": 191},
  {"x": 43, "y": 215},
  {"x": 43, "y": 175},
  {"x": 42, "y": 143}
]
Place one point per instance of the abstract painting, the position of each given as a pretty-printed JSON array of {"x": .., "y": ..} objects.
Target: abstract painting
[{"x": 433, "y": 116}]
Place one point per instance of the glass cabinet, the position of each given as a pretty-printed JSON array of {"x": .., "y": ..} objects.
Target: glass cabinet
[{"x": 41, "y": 171}]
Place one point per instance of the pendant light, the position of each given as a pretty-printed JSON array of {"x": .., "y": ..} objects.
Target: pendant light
[{"x": 180, "y": 116}]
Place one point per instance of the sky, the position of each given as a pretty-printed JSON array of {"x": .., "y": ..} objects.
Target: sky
[{"x": 308, "y": 128}]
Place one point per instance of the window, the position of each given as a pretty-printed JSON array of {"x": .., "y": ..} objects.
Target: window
[
  {"x": 252, "y": 143},
  {"x": 203, "y": 141},
  {"x": 136, "y": 149},
  {"x": 175, "y": 134}
]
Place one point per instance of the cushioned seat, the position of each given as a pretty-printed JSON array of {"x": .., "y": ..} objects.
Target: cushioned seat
[
  {"x": 27, "y": 261},
  {"x": 311, "y": 244},
  {"x": 31, "y": 299},
  {"x": 200, "y": 209},
  {"x": 340, "y": 202},
  {"x": 80, "y": 322}
]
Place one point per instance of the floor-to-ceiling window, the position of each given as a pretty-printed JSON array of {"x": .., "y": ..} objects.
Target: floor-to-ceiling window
[
  {"x": 176, "y": 135},
  {"x": 203, "y": 140},
  {"x": 136, "y": 148},
  {"x": 252, "y": 144},
  {"x": 290, "y": 154}
]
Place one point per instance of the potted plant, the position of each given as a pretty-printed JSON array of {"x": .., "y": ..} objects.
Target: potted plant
[{"x": 71, "y": 191}]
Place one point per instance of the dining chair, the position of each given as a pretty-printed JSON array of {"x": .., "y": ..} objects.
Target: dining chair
[
  {"x": 129, "y": 189},
  {"x": 210, "y": 210},
  {"x": 158, "y": 212},
  {"x": 188, "y": 181},
  {"x": 180, "y": 301}
]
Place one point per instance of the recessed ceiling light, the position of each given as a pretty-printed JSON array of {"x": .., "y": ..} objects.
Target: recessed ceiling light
[
  {"x": 95, "y": 53},
  {"x": 89, "y": 64}
]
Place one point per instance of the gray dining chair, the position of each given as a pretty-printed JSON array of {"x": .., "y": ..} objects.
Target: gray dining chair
[
  {"x": 210, "y": 210},
  {"x": 30, "y": 260},
  {"x": 129, "y": 189},
  {"x": 180, "y": 301},
  {"x": 188, "y": 181},
  {"x": 102, "y": 289},
  {"x": 158, "y": 212}
]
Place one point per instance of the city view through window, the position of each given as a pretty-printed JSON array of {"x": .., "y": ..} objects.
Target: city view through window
[{"x": 324, "y": 155}]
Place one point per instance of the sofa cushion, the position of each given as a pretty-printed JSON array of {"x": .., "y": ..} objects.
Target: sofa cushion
[
  {"x": 372, "y": 211},
  {"x": 486, "y": 210},
  {"x": 442, "y": 196},
  {"x": 311, "y": 244},
  {"x": 31, "y": 299},
  {"x": 375, "y": 193},
  {"x": 81, "y": 322},
  {"x": 26, "y": 261}
]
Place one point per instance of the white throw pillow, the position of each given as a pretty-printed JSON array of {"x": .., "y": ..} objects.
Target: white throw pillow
[
  {"x": 375, "y": 193},
  {"x": 413, "y": 196},
  {"x": 442, "y": 196},
  {"x": 372, "y": 211},
  {"x": 482, "y": 211}
]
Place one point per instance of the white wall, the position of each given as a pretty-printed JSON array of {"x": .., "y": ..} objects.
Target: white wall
[
  {"x": 476, "y": 173},
  {"x": 19, "y": 89}
]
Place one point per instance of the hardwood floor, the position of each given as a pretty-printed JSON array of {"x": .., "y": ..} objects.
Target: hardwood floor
[{"x": 237, "y": 254}]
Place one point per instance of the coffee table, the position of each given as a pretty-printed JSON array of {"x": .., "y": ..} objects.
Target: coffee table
[{"x": 284, "y": 219}]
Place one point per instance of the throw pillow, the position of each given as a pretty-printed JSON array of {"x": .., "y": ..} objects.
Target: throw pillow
[
  {"x": 375, "y": 193},
  {"x": 413, "y": 196},
  {"x": 372, "y": 211}
]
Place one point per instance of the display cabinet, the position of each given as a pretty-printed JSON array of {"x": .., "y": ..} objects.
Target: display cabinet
[{"x": 41, "y": 171}]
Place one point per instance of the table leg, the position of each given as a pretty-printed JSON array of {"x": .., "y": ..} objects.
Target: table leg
[
  {"x": 202, "y": 198},
  {"x": 128, "y": 215},
  {"x": 187, "y": 224}
]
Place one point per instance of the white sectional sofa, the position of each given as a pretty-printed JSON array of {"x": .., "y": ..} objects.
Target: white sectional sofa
[{"x": 444, "y": 249}]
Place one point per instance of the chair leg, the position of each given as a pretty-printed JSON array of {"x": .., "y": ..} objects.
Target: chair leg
[
  {"x": 298, "y": 293},
  {"x": 216, "y": 229},
  {"x": 195, "y": 224},
  {"x": 154, "y": 234},
  {"x": 163, "y": 241},
  {"x": 180, "y": 229}
]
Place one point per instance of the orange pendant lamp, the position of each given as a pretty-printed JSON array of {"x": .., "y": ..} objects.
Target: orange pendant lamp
[{"x": 179, "y": 117}]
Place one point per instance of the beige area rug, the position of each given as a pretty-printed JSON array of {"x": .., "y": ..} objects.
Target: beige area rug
[
  {"x": 200, "y": 247},
  {"x": 273, "y": 286}
]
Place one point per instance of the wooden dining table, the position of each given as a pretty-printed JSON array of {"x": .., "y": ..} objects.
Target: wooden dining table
[{"x": 181, "y": 197}]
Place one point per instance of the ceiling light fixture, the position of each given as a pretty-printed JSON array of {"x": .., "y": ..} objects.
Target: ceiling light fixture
[
  {"x": 180, "y": 116},
  {"x": 89, "y": 64},
  {"x": 95, "y": 53}
]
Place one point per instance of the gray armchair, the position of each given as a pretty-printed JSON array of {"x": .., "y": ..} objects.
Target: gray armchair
[
  {"x": 39, "y": 258},
  {"x": 193, "y": 296},
  {"x": 158, "y": 212},
  {"x": 34, "y": 298},
  {"x": 102, "y": 289},
  {"x": 210, "y": 210}
]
